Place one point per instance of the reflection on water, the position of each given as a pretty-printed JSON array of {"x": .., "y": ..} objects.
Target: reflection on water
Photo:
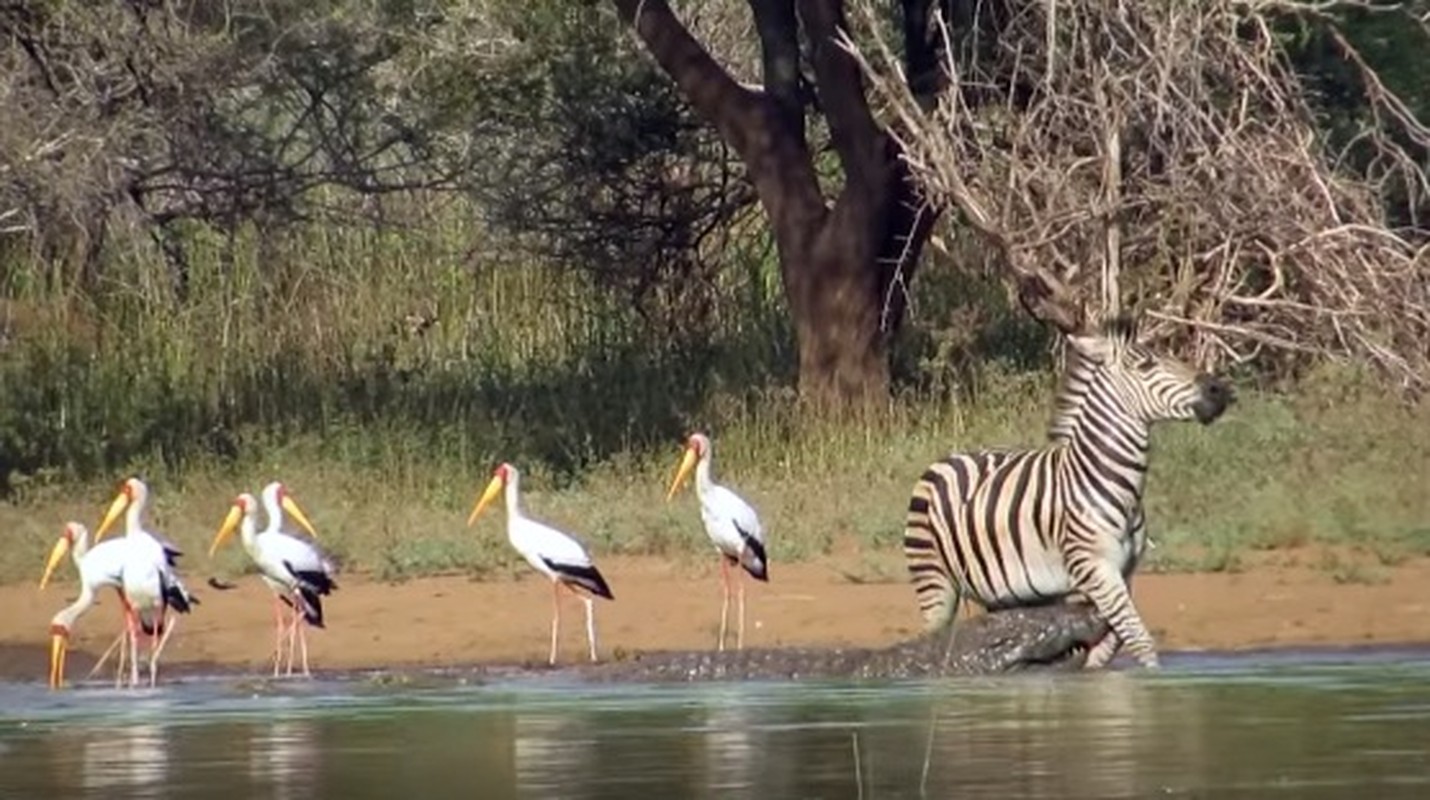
[
  {"x": 551, "y": 750},
  {"x": 284, "y": 757},
  {"x": 134, "y": 758},
  {"x": 1227, "y": 728},
  {"x": 728, "y": 746}
]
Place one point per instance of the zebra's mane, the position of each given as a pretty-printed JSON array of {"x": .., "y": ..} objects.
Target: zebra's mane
[{"x": 1077, "y": 374}]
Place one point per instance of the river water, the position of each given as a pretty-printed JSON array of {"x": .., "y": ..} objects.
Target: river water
[{"x": 1279, "y": 724}]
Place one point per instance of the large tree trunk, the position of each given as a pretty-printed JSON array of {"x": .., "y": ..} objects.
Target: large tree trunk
[
  {"x": 836, "y": 304},
  {"x": 838, "y": 263}
]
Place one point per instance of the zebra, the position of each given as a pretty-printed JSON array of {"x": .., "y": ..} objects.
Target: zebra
[{"x": 1020, "y": 527}]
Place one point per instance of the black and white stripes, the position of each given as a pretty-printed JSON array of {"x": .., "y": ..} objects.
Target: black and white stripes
[{"x": 1025, "y": 527}]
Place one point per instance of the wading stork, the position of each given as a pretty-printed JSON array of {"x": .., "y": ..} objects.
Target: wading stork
[
  {"x": 731, "y": 524},
  {"x": 552, "y": 553},
  {"x": 295, "y": 570},
  {"x": 138, "y": 580},
  {"x": 98, "y": 567},
  {"x": 156, "y": 586}
]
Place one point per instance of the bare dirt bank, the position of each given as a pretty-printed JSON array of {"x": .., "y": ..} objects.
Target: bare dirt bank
[{"x": 448, "y": 621}]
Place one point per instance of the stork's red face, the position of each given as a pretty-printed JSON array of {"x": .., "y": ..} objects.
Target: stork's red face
[
  {"x": 131, "y": 491},
  {"x": 697, "y": 447},
  {"x": 68, "y": 537},
  {"x": 243, "y": 505},
  {"x": 501, "y": 477}
]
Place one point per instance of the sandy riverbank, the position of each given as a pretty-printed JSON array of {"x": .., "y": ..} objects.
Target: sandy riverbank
[{"x": 662, "y": 605}]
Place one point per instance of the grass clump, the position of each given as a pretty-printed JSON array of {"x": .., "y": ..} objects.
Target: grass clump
[{"x": 382, "y": 377}]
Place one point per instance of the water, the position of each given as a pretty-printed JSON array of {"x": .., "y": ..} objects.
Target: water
[{"x": 1282, "y": 725}]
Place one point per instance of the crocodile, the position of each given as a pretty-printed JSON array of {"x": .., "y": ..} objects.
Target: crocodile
[{"x": 1050, "y": 637}]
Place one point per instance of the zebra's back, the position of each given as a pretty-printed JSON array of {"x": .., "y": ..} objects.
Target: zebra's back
[{"x": 980, "y": 525}]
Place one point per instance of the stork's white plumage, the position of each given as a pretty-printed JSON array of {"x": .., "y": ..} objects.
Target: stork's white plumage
[
  {"x": 151, "y": 582},
  {"x": 732, "y": 525},
  {"x": 131, "y": 500},
  {"x": 138, "y": 580},
  {"x": 295, "y": 570},
  {"x": 98, "y": 567},
  {"x": 554, "y": 554}
]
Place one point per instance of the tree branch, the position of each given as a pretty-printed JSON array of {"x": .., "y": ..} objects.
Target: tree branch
[
  {"x": 711, "y": 90},
  {"x": 923, "y": 70},
  {"x": 863, "y": 149},
  {"x": 779, "y": 48}
]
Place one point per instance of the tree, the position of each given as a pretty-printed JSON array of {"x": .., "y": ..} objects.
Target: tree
[
  {"x": 164, "y": 113},
  {"x": 846, "y": 253},
  {"x": 1191, "y": 169}
]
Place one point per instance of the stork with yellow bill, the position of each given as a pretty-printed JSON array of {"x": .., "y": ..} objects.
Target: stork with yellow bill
[
  {"x": 731, "y": 524},
  {"x": 558, "y": 556},
  {"x": 297, "y": 571},
  {"x": 139, "y": 581}
]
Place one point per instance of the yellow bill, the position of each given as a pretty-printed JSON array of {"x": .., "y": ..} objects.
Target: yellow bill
[
  {"x": 59, "y": 645},
  {"x": 493, "y": 489},
  {"x": 116, "y": 508},
  {"x": 230, "y": 522},
  {"x": 687, "y": 463},
  {"x": 61, "y": 549},
  {"x": 290, "y": 507}
]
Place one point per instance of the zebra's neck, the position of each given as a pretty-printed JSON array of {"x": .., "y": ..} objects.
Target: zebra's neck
[
  {"x": 1067, "y": 405},
  {"x": 1107, "y": 449}
]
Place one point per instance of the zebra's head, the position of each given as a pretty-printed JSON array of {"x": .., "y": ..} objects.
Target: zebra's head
[{"x": 1151, "y": 386}]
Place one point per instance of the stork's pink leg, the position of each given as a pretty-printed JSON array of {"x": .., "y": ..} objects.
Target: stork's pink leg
[
  {"x": 171, "y": 621},
  {"x": 724, "y": 597},
  {"x": 303, "y": 645},
  {"x": 740, "y": 588},
  {"x": 293, "y": 619},
  {"x": 98, "y": 665},
  {"x": 131, "y": 618},
  {"x": 277, "y": 633},
  {"x": 555, "y": 619},
  {"x": 118, "y": 642}
]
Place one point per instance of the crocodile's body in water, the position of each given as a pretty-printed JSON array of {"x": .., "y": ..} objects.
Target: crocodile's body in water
[{"x": 1049, "y": 637}]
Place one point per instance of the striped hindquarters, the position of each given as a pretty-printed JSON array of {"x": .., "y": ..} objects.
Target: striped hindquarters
[{"x": 977, "y": 528}]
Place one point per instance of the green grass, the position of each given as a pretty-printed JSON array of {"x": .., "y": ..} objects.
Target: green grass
[
  {"x": 292, "y": 357},
  {"x": 1276, "y": 472}
]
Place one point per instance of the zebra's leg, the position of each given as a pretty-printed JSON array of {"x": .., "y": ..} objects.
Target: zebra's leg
[
  {"x": 1102, "y": 583},
  {"x": 1103, "y": 652},
  {"x": 1107, "y": 649},
  {"x": 952, "y": 624}
]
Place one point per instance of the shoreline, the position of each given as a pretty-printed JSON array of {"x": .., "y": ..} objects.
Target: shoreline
[{"x": 425, "y": 625}]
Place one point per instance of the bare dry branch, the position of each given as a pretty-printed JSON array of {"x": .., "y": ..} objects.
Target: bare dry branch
[{"x": 1172, "y": 143}]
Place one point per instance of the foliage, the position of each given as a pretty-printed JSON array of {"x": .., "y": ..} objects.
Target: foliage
[
  {"x": 1364, "y": 75},
  {"x": 1125, "y": 155},
  {"x": 1340, "y": 464},
  {"x": 309, "y": 225},
  {"x": 130, "y": 119},
  {"x": 594, "y": 162}
]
